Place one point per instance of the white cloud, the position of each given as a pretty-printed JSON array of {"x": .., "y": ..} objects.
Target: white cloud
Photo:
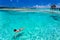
[{"x": 41, "y": 6}]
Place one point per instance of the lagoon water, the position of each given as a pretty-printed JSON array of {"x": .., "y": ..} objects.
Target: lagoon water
[{"x": 37, "y": 25}]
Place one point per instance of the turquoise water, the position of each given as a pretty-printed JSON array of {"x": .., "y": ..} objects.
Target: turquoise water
[{"x": 37, "y": 25}]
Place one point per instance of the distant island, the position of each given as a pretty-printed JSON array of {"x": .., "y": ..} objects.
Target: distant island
[{"x": 6, "y": 7}]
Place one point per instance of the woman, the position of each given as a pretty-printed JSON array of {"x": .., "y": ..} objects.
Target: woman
[{"x": 15, "y": 30}]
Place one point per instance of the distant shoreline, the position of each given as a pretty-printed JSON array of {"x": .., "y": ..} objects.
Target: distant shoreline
[
  {"x": 14, "y": 8},
  {"x": 30, "y": 10}
]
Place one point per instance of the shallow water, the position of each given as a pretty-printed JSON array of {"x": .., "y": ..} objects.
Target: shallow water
[{"x": 37, "y": 25}]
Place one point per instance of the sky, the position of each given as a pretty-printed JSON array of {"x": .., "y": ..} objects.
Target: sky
[{"x": 27, "y": 3}]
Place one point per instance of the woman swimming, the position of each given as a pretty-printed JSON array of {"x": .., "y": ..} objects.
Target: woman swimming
[{"x": 15, "y": 30}]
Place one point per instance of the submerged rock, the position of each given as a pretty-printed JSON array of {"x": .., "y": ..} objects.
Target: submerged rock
[{"x": 56, "y": 18}]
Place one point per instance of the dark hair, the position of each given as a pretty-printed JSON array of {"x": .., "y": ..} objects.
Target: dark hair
[{"x": 15, "y": 30}]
